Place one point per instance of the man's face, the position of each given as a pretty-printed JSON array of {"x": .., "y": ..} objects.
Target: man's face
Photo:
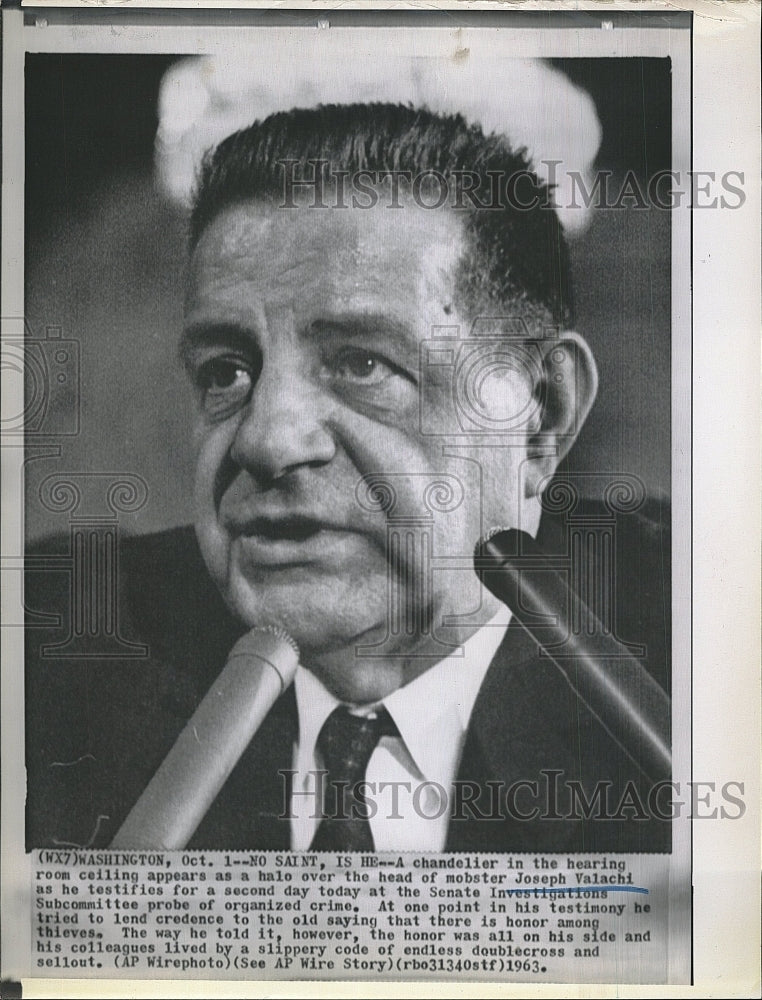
[{"x": 303, "y": 335}]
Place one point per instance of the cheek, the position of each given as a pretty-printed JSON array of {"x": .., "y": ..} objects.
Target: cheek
[
  {"x": 211, "y": 446},
  {"x": 212, "y": 540},
  {"x": 504, "y": 487}
]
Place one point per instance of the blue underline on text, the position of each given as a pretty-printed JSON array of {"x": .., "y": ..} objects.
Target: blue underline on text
[{"x": 583, "y": 888}]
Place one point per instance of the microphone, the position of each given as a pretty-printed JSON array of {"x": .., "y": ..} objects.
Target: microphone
[
  {"x": 611, "y": 682},
  {"x": 258, "y": 670}
]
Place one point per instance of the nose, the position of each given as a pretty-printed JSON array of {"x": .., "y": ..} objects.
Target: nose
[{"x": 283, "y": 428}]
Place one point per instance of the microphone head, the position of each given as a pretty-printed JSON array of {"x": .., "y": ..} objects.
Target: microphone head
[
  {"x": 497, "y": 530},
  {"x": 273, "y": 645},
  {"x": 497, "y": 542}
]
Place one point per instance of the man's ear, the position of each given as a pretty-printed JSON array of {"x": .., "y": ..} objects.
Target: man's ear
[{"x": 565, "y": 393}]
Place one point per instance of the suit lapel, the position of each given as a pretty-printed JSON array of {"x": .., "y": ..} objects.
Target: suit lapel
[
  {"x": 506, "y": 743},
  {"x": 530, "y": 741}
]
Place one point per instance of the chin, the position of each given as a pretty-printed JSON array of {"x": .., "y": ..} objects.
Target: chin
[
  {"x": 324, "y": 616},
  {"x": 357, "y": 682}
]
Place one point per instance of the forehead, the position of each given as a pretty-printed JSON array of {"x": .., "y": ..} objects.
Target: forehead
[{"x": 304, "y": 258}]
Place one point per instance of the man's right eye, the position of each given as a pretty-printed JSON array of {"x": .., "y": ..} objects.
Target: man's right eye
[{"x": 225, "y": 385}]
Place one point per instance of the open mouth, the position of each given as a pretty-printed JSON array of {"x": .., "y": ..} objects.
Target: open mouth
[
  {"x": 287, "y": 540},
  {"x": 289, "y": 529}
]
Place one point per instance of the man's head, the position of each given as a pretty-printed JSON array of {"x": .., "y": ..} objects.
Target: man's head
[{"x": 378, "y": 378}]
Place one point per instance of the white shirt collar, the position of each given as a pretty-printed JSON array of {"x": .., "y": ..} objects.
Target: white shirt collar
[{"x": 431, "y": 712}]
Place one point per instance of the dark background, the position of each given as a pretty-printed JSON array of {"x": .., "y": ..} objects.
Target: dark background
[{"x": 105, "y": 259}]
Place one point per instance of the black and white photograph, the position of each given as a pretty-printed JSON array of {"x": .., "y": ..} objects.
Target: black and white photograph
[
  {"x": 354, "y": 485},
  {"x": 420, "y": 386}
]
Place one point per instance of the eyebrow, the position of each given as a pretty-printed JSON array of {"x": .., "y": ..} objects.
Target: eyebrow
[
  {"x": 198, "y": 335},
  {"x": 367, "y": 325},
  {"x": 238, "y": 337}
]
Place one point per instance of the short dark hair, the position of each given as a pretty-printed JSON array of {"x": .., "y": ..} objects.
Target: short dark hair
[{"x": 516, "y": 256}]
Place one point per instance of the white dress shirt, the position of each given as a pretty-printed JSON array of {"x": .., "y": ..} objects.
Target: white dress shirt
[{"x": 431, "y": 714}]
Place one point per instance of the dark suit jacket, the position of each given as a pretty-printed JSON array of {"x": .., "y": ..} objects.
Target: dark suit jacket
[{"x": 98, "y": 728}]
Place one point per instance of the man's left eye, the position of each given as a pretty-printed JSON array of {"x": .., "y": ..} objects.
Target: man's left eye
[{"x": 361, "y": 367}]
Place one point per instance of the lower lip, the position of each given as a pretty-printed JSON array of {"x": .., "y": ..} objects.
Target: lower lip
[{"x": 285, "y": 553}]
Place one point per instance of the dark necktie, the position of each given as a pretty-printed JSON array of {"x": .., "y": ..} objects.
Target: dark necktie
[{"x": 346, "y": 743}]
